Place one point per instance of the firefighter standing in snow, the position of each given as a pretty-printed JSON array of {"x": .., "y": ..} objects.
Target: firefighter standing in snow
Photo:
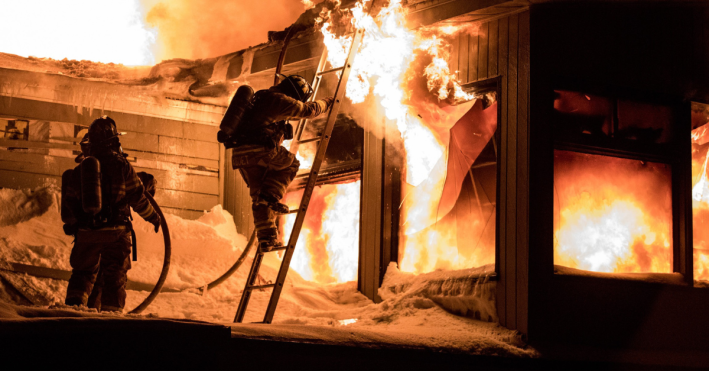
[
  {"x": 256, "y": 136},
  {"x": 95, "y": 209}
]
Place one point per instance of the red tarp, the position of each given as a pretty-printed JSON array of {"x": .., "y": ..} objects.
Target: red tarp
[{"x": 468, "y": 137}]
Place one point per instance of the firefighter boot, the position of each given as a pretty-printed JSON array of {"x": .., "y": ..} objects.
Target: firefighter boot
[
  {"x": 274, "y": 205},
  {"x": 268, "y": 244}
]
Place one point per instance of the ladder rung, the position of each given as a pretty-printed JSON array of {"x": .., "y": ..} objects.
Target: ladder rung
[
  {"x": 274, "y": 248},
  {"x": 261, "y": 286},
  {"x": 312, "y": 181},
  {"x": 315, "y": 139},
  {"x": 331, "y": 71}
]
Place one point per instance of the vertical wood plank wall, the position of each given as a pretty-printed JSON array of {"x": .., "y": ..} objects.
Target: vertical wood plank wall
[
  {"x": 236, "y": 198},
  {"x": 501, "y": 48},
  {"x": 370, "y": 234}
]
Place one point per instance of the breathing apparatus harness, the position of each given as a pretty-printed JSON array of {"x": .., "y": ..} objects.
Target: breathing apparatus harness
[
  {"x": 71, "y": 213},
  {"x": 96, "y": 211},
  {"x": 234, "y": 129}
]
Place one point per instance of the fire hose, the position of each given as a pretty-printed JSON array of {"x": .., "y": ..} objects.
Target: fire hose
[
  {"x": 233, "y": 268},
  {"x": 166, "y": 261},
  {"x": 292, "y": 30}
]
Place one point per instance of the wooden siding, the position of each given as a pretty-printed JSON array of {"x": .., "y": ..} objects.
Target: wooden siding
[
  {"x": 370, "y": 231},
  {"x": 182, "y": 155},
  {"x": 236, "y": 198},
  {"x": 500, "y": 47}
]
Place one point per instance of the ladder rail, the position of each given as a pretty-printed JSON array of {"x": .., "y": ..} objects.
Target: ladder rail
[
  {"x": 324, "y": 139},
  {"x": 315, "y": 169},
  {"x": 317, "y": 79},
  {"x": 258, "y": 257},
  {"x": 250, "y": 280}
]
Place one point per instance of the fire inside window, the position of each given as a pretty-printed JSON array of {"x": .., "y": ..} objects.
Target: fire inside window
[
  {"x": 448, "y": 219},
  {"x": 700, "y": 190},
  {"x": 614, "y": 178},
  {"x": 327, "y": 249}
]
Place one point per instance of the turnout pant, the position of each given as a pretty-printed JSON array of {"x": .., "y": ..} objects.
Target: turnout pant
[
  {"x": 107, "y": 250},
  {"x": 267, "y": 172}
]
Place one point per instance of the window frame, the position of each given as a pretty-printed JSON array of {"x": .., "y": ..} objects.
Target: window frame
[
  {"x": 676, "y": 153},
  {"x": 489, "y": 85}
]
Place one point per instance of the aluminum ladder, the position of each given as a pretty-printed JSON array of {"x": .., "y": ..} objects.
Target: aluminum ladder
[{"x": 324, "y": 139}]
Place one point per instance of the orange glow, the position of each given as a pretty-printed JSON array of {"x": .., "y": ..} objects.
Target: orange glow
[
  {"x": 328, "y": 247},
  {"x": 612, "y": 214},
  {"x": 700, "y": 202},
  {"x": 387, "y": 67},
  {"x": 100, "y": 31}
]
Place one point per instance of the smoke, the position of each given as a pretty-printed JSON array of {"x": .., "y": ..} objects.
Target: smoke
[{"x": 196, "y": 29}]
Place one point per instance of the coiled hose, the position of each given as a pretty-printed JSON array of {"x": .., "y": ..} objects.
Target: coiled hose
[{"x": 166, "y": 261}]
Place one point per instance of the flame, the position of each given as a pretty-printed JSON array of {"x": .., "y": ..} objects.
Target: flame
[
  {"x": 308, "y": 4},
  {"x": 612, "y": 214},
  {"x": 306, "y": 154},
  {"x": 385, "y": 67},
  {"x": 328, "y": 247},
  {"x": 100, "y": 31},
  {"x": 700, "y": 203}
]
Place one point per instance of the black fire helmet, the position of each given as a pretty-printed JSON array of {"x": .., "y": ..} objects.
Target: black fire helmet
[
  {"x": 102, "y": 131},
  {"x": 296, "y": 87}
]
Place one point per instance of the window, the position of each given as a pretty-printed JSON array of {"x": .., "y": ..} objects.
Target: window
[{"x": 614, "y": 177}]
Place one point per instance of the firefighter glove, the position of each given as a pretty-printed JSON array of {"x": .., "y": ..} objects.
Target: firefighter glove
[
  {"x": 155, "y": 221},
  {"x": 330, "y": 101}
]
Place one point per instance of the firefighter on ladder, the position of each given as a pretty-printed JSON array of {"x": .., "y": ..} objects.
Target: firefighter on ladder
[
  {"x": 96, "y": 197},
  {"x": 255, "y": 126}
]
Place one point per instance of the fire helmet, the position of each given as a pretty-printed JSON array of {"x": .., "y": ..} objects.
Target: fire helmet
[
  {"x": 102, "y": 130},
  {"x": 296, "y": 87}
]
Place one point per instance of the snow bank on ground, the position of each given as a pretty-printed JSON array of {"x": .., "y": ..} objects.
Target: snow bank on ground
[
  {"x": 202, "y": 249},
  {"x": 31, "y": 228},
  {"x": 467, "y": 292},
  {"x": 415, "y": 311}
]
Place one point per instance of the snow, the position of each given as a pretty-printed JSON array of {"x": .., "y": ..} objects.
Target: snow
[{"x": 438, "y": 310}]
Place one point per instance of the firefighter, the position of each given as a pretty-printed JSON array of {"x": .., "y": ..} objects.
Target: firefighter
[
  {"x": 266, "y": 166},
  {"x": 102, "y": 238}
]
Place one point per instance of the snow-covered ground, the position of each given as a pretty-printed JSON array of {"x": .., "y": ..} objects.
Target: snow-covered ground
[{"x": 425, "y": 310}]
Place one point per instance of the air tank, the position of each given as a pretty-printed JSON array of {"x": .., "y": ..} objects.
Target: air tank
[
  {"x": 67, "y": 216},
  {"x": 238, "y": 106},
  {"x": 91, "y": 185}
]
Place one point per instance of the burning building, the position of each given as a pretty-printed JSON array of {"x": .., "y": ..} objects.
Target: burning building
[{"x": 553, "y": 153}]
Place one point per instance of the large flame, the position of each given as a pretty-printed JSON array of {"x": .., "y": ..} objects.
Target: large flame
[
  {"x": 384, "y": 67},
  {"x": 328, "y": 247},
  {"x": 700, "y": 200},
  {"x": 612, "y": 214}
]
